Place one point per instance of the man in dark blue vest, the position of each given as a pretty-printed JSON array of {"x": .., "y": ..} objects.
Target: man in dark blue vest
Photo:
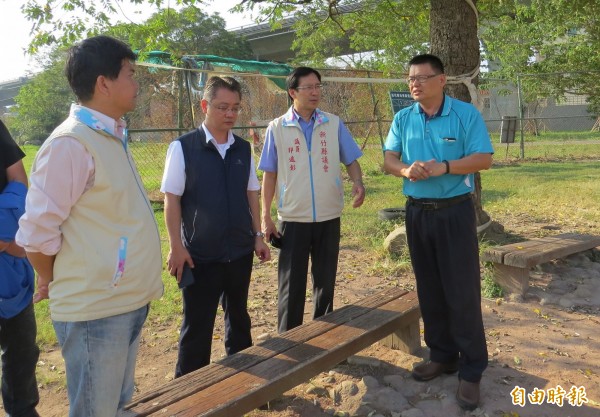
[{"x": 213, "y": 220}]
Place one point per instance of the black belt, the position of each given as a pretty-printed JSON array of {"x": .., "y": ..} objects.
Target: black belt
[{"x": 437, "y": 203}]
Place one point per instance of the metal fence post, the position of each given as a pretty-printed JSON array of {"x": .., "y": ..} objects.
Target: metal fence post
[
  {"x": 180, "y": 99},
  {"x": 376, "y": 113},
  {"x": 520, "y": 97}
]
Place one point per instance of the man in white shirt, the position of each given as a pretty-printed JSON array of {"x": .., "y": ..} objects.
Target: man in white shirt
[{"x": 213, "y": 221}]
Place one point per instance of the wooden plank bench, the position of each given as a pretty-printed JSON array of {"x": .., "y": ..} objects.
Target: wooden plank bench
[
  {"x": 242, "y": 382},
  {"x": 513, "y": 262}
]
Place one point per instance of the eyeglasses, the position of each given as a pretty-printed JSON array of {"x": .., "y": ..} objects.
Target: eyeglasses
[
  {"x": 420, "y": 78},
  {"x": 226, "y": 109},
  {"x": 317, "y": 87}
]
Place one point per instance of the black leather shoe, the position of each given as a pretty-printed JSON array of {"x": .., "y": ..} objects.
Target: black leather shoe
[
  {"x": 467, "y": 395},
  {"x": 429, "y": 370}
]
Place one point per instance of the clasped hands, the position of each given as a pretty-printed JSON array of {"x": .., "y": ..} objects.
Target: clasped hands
[{"x": 422, "y": 170}]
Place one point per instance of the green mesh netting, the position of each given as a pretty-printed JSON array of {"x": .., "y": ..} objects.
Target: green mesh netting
[{"x": 236, "y": 65}]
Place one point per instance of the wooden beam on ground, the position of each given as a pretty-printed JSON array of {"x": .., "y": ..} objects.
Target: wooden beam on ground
[
  {"x": 212, "y": 374},
  {"x": 512, "y": 262},
  {"x": 258, "y": 384}
]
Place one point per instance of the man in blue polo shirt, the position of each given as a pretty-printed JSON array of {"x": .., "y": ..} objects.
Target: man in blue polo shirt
[{"x": 435, "y": 146}]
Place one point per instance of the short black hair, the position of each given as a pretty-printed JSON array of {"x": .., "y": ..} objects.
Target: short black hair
[
  {"x": 215, "y": 83},
  {"x": 293, "y": 79},
  {"x": 435, "y": 62},
  {"x": 87, "y": 60}
]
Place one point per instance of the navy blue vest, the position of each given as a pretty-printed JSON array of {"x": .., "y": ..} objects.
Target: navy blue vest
[{"x": 216, "y": 220}]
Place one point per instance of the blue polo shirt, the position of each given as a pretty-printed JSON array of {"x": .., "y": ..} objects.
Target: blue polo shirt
[
  {"x": 16, "y": 274},
  {"x": 456, "y": 131}
]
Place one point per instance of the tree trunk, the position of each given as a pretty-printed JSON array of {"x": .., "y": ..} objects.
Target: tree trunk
[{"x": 453, "y": 38}]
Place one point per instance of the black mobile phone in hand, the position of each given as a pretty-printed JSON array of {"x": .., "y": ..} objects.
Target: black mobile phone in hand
[
  {"x": 187, "y": 276},
  {"x": 275, "y": 241}
]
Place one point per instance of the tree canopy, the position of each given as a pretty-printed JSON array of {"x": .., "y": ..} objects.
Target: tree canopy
[
  {"x": 44, "y": 103},
  {"x": 188, "y": 31},
  {"x": 517, "y": 36}
]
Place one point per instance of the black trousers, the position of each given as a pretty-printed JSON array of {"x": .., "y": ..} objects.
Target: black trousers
[
  {"x": 19, "y": 357},
  {"x": 227, "y": 282},
  {"x": 320, "y": 241},
  {"x": 445, "y": 258}
]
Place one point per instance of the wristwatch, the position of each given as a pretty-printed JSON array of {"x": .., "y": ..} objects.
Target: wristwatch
[{"x": 259, "y": 234}]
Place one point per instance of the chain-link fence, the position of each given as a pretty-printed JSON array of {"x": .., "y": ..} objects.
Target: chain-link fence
[
  {"x": 170, "y": 105},
  {"x": 544, "y": 127}
]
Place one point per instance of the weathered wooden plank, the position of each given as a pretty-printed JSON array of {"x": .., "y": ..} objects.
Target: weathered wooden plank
[
  {"x": 264, "y": 381},
  {"x": 213, "y": 373},
  {"x": 553, "y": 248},
  {"x": 406, "y": 339},
  {"x": 512, "y": 262},
  {"x": 511, "y": 278},
  {"x": 497, "y": 254},
  {"x": 532, "y": 252}
]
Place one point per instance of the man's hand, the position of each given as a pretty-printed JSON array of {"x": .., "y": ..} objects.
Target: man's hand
[
  {"x": 358, "y": 192},
  {"x": 176, "y": 259},
  {"x": 15, "y": 250},
  {"x": 261, "y": 249},
  {"x": 435, "y": 168},
  {"x": 269, "y": 228},
  {"x": 42, "y": 290},
  {"x": 418, "y": 171}
]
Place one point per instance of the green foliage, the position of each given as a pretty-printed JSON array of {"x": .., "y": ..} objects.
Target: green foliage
[
  {"x": 395, "y": 31},
  {"x": 188, "y": 31},
  {"x": 43, "y": 103},
  {"x": 517, "y": 36},
  {"x": 542, "y": 37},
  {"x": 62, "y": 22},
  {"x": 182, "y": 32},
  {"x": 489, "y": 288}
]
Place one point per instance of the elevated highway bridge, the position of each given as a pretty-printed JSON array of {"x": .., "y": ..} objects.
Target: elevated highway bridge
[
  {"x": 9, "y": 89},
  {"x": 276, "y": 45}
]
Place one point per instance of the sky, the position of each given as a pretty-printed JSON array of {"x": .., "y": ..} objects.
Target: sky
[{"x": 14, "y": 32}]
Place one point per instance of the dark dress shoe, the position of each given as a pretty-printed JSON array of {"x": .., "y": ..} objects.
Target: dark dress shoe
[
  {"x": 467, "y": 395},
  {"x": 430, "y": 370}
]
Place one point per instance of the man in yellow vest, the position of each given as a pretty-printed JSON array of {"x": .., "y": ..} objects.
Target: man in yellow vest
[
  {"x": 90, "y": 232},
  {"x": 301, "y": 163}
]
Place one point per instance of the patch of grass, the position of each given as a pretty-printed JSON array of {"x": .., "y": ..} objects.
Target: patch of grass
[
  {"x": 555, "y": 137},
  {"x": 489, "y": 288},
  {"x": 45, "y": 331},
  {"x": 566, "y": 193}
]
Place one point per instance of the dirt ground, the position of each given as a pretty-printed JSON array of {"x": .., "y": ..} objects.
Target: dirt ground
[{"x": 530, "y": 345}]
